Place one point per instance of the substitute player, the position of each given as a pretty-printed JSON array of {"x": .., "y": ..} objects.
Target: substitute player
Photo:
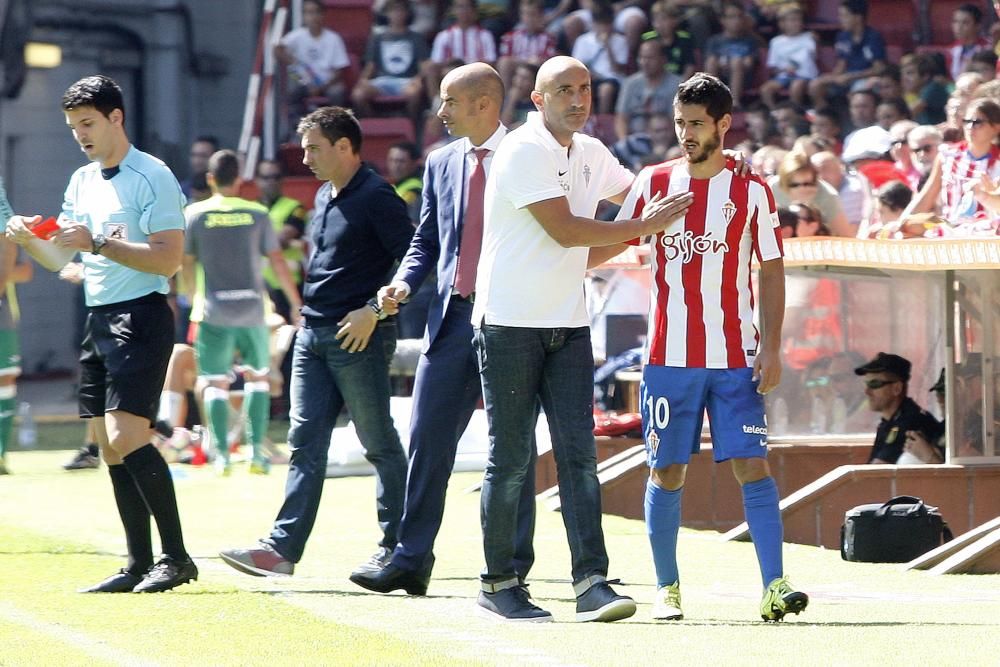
[
  {"x": 226, "y": 239},
  {"x": 703, "y": 349},
  {"x": 123, "y": 212}
]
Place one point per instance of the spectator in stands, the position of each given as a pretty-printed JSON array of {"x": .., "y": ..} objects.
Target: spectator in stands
[
  {"x": 392, "y": 64},
  {"x": 890, "y": 201},
  {"x": 786, "y": 114},
  {"x": 862, "y": 105},
  {"x": 967, "y": 84},
  {"x": 901, "y": 154},
  {"x": 791, "y": 58},
  {"x": 860, "y": 55},
  {"x": 767, "y": 159},
  {"x": 528, "y": 44},
  {"x": 798, "y": 181},
  {"x": 886, "y": 380},
  {"x": 604, "y": 52},
  {"x": 810, "y": 145},
  {"x": 966, "y": 28},
  {"x": 788, "y": 222},
  {"x": 808, "y": 221},
  {"x": 959, "y": 166},
  {"x": 517, "y": 102},
  {"x": 648, "y": 91},
  {"x": 497, "y": 16},
  {"x": 826, "y": 123},
  {"x": 852, "y": 189},
  {"x": 464, "y": 42},
  {"x": 923, "y": 141},
  {"x": 891, "y": 111},
  {"x": 201, "y": 150},
  {"x": 316, "y": 59},
  {"x": 404, "y": 173},
  {"x": 650, "y": 147},
  {"x": 925, "y": 95},
  {"x": 288, "y": 218},
  {"x": 760, "y": 127},
  {"x": 668, "y": 27},
  {"x": 888, "y": 84},
  {"x": 867, "y": 152},
  {"x": 629, "y": 18},
  {"x": 732, "y": 55}
]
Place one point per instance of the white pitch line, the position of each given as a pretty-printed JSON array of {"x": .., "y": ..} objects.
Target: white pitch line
[{"x": 84, "y": 642}]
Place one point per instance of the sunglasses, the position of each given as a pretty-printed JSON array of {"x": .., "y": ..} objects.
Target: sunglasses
[
  {"x": 802, "y": 184},
  {"x": 897, "y": 143},
  {"x": 926, "y": 148},
  {"x": 269, "y": 177},
  {"x": 878, "y": 384},
  {"x": 821, "y": 381},
  {"x": 974, "y": 122}
]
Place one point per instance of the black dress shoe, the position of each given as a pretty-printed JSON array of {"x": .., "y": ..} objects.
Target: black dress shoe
[
  {"x": 166, "y": 574},
  {"x": 393, "y": 578},
  {"x": 121, "y": 581}
]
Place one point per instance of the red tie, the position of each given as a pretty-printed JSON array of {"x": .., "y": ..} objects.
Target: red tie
[{"x": 472, "y": 228}]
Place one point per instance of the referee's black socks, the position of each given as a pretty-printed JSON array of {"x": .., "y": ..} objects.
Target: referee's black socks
[
  {"x": 135, "y": 518},
  {"x": 152, "y": 476}
]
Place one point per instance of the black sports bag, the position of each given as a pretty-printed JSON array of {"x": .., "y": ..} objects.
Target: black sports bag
[{"x": 894, "y": 532}]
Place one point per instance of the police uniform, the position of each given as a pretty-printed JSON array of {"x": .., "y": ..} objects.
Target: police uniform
[{"x": 891, "y": 433}]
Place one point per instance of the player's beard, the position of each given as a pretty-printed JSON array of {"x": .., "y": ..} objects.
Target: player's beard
[{"x": 707, "y": 149}]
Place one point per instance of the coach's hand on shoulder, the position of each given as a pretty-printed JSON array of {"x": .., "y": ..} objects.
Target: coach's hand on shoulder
[
  {"x": 660, "y": 212},
  {"x": 356, "y": 329},
  {"x": 19, "y": 228},
  {"x": 767, "y": 371},
  {"x": 75, "y": 235},
  {"x": 742, "y": 167}
]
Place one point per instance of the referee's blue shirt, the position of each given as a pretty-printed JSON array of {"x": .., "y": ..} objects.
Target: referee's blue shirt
[
  {"x": 139, "y": 198},
  {"x": 356, "y": 236}
]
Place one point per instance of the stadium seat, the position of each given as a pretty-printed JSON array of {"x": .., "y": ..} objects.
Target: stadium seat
[
  {"x": 290, "y": 156},
  {"x": 896, "y": 20},
  {"x": 381, "y": 133},
  {"x": 352, "y": 20}
]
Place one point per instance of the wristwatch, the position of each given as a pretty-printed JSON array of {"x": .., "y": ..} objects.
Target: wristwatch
[
  {"x": 377, "y": 309},
  {"x": 98, "y": 242}
]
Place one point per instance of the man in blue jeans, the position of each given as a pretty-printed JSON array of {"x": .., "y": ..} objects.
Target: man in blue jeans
[
  {"x": 533, "y": 337},
  {"x": 359, "y": 227}
]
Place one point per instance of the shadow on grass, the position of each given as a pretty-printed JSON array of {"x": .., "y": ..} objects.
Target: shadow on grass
[{"x": 57, "y": 552}]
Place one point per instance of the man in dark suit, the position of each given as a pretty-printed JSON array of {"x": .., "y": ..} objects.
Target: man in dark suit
[{"x": 447, "y": 387}]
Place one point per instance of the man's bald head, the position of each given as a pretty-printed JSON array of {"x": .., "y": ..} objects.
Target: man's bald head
[
  {"x": 476, "y": 80},
  {"x": 553, "y": 69}
]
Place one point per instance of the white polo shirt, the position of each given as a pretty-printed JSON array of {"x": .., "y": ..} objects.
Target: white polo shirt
[{"x": 525, "y": 278}]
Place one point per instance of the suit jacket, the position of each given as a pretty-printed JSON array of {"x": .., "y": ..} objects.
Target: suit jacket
[{"x": 438, "y": 235}]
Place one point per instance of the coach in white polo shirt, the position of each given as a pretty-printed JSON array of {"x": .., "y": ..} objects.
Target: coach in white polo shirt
[{"x": 532, "y": 333}]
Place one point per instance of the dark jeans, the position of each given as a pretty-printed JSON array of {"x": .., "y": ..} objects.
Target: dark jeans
[
  {"x": 520, "y": 366},
  {"x": 325, "y": 378}
]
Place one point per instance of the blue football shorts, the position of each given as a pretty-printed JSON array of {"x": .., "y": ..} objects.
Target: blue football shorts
[{"x": 673, "y": 405}]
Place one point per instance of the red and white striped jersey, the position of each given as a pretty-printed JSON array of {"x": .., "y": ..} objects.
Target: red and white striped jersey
[
  {"x": 523, "y": 45},
  {"x": 959, "y": 172},
  {"x": 472, "y": 45},
  {"x": 702, "y": 302}
]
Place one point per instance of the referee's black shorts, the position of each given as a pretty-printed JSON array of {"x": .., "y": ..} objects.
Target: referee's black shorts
[{"x": 124, "y": 355}]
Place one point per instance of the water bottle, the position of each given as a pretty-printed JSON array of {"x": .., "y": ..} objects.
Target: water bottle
[{"x": 27, "y": 434}]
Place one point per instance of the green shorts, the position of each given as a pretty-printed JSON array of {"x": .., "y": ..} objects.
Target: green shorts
[
  {"x": 216, "y": 346},
  {"x": 10, "y": 353}
]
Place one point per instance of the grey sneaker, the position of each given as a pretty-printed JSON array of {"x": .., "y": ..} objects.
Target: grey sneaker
[
  {"x": 259, "y": 561},
  {"x": 87, "y": 457},
  {"x": 511, "y": 604},
  {"x": 601, "y": 603}
]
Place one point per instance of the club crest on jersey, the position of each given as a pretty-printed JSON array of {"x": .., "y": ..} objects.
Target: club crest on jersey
[
  {"x": 652, "y": 441},
  {"x": 729, "y": 211},
  {"x": 586, "y": 174},
  {"x": 686, "y": 245}
]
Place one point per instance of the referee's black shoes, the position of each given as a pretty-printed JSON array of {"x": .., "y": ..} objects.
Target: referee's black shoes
[
  {"x": 166, "y": 574},
  {"x": 121, "y": 581},
  {"x": 393, "y": 578}
]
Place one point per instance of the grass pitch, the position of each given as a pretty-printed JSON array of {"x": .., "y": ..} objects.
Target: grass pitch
[{"x": 59, "y": 531}]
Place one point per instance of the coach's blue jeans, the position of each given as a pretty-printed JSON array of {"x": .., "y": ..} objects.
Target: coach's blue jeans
[
  {"x": 324, "y": 379},
  {"x": 556, "y": 366}
]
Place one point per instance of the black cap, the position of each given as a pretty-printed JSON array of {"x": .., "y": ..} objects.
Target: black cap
[
  {"x": 886, "y": 363},
  {"x": 939, "y": 385}
]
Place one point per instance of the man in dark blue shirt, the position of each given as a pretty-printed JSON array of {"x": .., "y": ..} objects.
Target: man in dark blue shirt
[
  {"x": 860, "y": 55},
  {"x": 359, "y": 228}
]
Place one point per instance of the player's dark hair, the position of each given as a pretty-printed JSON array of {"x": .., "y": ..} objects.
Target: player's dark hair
[
  {"x": 856, "y": 7},
  {"x": 224, "y": 166},
  {"x": 708, "y": 91},
  {"x": 96, "y": 91},
  {"x": 975, "y": 12},
  {"x": 335, "y": 123}
]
